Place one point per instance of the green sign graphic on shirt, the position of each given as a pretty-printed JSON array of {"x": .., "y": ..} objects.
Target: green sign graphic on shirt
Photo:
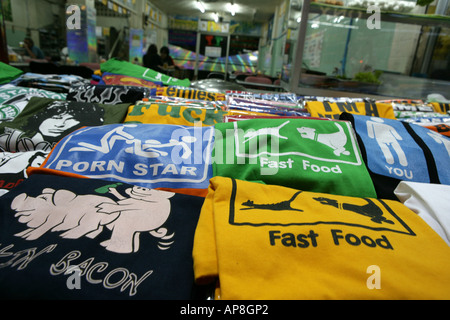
[{"x": 306, "y": 154}]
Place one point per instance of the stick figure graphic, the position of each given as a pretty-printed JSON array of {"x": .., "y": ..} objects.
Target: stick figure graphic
[
  {"x": 386, "y": 137},
  {"x": 439, "y": 138}
]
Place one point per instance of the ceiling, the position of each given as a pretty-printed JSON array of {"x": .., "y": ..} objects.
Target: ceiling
[{"x": 247, "y": 10}]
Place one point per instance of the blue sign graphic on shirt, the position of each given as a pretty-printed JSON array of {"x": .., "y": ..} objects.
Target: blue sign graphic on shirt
[
  {"x": 148, "y": 155},
  {"x": 440, "y": 149},
  {"x": 391, "y": 151}
]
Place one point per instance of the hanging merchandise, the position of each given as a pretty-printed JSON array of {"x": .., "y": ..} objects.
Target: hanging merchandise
[
  {"x": 306, "y": 154},
  {"x": 156, "y": 156},
  {"x": 107, "y": 94},
  {"x": 332, "y": 110},
  {"x": 129, "y": 69},
  {"x": 265, "y": 242},
  {"x": 185, "y": 115},
  {"x": 396, "y": 151},
  {"x": 13, "y": 99},
  {"x": 67, "y": 238}
]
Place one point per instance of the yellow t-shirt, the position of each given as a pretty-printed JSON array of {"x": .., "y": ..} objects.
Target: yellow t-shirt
[
  {"x": 158, "y": 113},
  {"x": 333, "y": 110},
  {"x": 443, "y": 108},
  {"x": 265, "y": 242},
  {"x": 184, "y": 115}
]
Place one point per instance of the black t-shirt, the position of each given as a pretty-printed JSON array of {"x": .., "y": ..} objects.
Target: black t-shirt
[
  {"x": 69, "y": 238},
  {"x": 106, "y": 94}
]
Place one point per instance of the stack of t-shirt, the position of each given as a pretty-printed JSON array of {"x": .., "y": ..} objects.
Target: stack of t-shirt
[
  {"x": 167, "y": 157},
  {"x": 270, "y": 242},
  {"x": 306, "y": 154},
  {"x": 68, "y": 238},
  {"x": 397, "y": 151}
]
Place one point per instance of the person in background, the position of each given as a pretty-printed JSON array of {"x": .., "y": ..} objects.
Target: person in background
[
  {"x": 152, "y": 60},
  {"x": 167, "y": 61},
  {"x": 33, "y": 51}
]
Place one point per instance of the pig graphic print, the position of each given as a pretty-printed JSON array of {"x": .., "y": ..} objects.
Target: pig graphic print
[{"x": 75, "y": 216}]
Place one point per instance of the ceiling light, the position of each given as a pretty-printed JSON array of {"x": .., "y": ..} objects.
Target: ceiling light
[
  {"x": 232, "y": 8},
  {"x": 200, "y": 6}
]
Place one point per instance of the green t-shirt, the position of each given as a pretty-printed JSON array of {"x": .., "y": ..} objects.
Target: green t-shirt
[
  {"x": 133, "y": 70},
  {"x": 8, "y": 73},
  {"x": 43, "y": 122},
  {"x": 13, "y": 99},
  {"x": 305, "y": 154}
]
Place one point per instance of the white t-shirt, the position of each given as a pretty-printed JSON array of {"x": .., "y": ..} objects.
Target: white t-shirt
[{"x": 430, "y": 201}]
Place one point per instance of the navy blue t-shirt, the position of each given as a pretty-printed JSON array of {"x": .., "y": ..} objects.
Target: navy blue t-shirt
[{"x": 70, "y": 238}]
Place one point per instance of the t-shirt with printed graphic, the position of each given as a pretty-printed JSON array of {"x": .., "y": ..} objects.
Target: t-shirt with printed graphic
[
  {"x": 129, "y": 69},
  {"x": 188, "y": 93},
  {"x": 120, "y": 80},
  {"x": 306, "y": 154},
  {"x": 44, "y": 122},
  {"x": 68, "y": 238},
  {"x": 441, "y": 128},
  {"x": 443, "y": 108},
  {"x": 265, "y": 242},
  {"x": 332, "y": 110},
  {"x": 396, "y": 151},
  {"x": 157, "y": 156},
  {"x": 13, "y": 167},
  {"x": 107, "y": 94},
  {"x": 13, "y": 99},
  {"x": 180, "y": 114}
]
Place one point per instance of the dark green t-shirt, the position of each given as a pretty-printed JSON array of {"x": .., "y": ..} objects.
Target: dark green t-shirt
[{"x": 45, "y": 121}]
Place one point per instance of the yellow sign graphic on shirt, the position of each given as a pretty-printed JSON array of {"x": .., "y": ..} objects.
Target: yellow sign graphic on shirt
[
  {"x": 307, "y": 245},
  {"x": 307, "y": 208},
  {"x": 333, "y": 110}
]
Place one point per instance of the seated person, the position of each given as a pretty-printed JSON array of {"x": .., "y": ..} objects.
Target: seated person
[{"x": 32, "y": 51}]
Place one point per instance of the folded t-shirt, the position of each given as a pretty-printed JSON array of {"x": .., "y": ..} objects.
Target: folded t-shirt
[
  {"x": 396, "y": 151},
  {"x": 332, "y": 110},
  {"x": 188, "y": 93},
  {"x": 44, "y": 122},
  {"x": 168, "y": 157},
  {"x": 8, "y": 73},
  {"x": 107, "y": 94},
  {"x": 306, "y": 154},
  {"x": 67, "y": 238},
  {"x": 13, "y": 166},
  {"x": 430, "y": 202},
  {"x": 129, "y": 69},
  {"x": 265, "y": 242},
  {"x": 120, "y": 80},
  {"x": 13, "y": 99},
  {"x": 163, "y": 113}
]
